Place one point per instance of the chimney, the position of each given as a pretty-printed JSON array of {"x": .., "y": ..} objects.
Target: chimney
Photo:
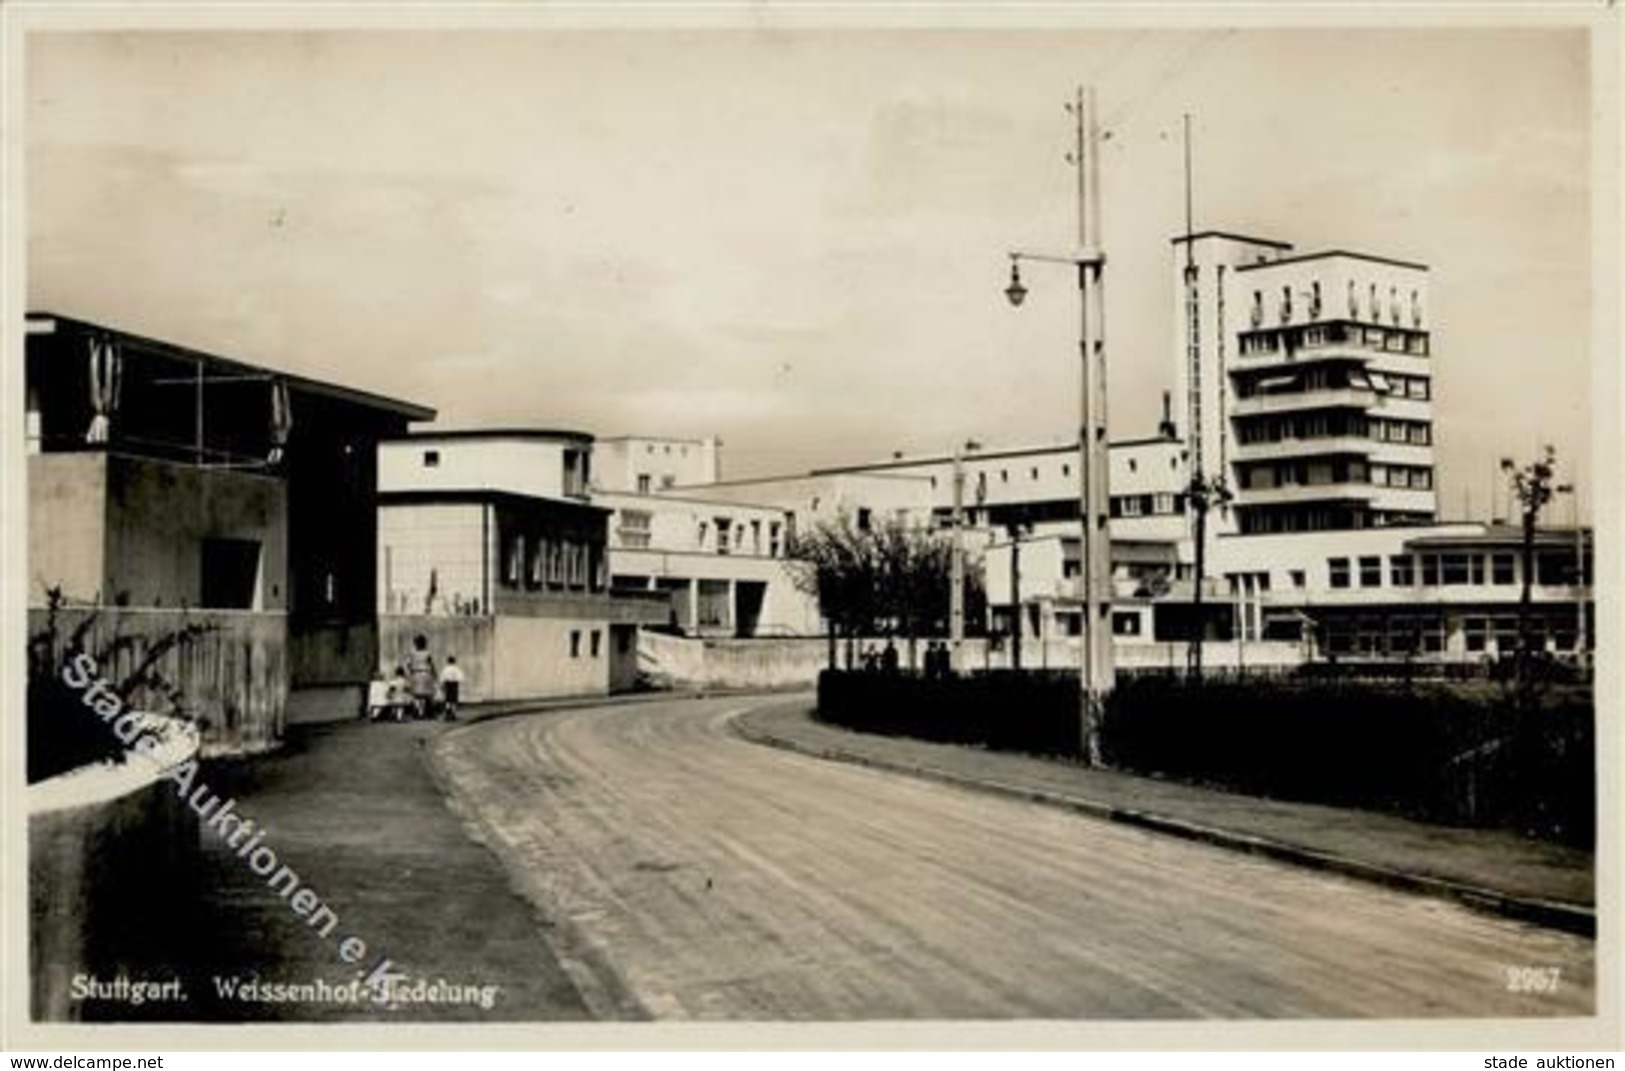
[{"x": 1166, "y": 429}]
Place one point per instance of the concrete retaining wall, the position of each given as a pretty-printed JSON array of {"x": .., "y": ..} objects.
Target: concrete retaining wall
[
  {"x": 679, "y": 662},
  {"x": 112, "y": 854},
  {"x": 509, "y": 657}
]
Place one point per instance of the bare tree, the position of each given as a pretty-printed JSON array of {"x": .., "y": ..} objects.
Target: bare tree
[
  {"x": 885, "y": 580},
  {"x": 1533, "y": 484}
]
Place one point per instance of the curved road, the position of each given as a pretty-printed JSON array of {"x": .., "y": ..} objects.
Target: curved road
[{"x": 713, "y": 878}]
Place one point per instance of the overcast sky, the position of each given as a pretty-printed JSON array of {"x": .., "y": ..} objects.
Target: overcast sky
[{"x": 797, "y": 241}]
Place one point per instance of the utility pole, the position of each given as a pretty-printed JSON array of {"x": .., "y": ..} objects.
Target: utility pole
[
  {"x": 1099, "y": 675},
  {"x": 1089, "y": 262}
]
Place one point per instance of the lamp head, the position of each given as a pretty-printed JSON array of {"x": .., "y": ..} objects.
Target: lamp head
[{"x": 1015, "y": 291}]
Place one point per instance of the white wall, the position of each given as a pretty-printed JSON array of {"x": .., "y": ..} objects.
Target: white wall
[
  {"x": 415, "y": 540},
  {"x": 518, "y": 465},
  {"x": 667, "y": 462}
]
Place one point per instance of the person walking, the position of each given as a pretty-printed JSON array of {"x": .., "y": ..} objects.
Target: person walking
[
  {"x": 420, "y": 675},
  {"x": 451, "y": 687}
]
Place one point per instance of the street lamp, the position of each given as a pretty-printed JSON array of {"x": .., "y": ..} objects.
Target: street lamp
[{"x": 1096, "y": 677}]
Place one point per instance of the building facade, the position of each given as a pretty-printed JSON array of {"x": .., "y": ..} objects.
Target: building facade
[
  {"x": 170, "y": 486},
  {"x": 490, "y": 547},
  {"x": 1306, "y": 382}
]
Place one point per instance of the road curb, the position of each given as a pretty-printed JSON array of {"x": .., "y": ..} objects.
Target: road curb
[{"x": 1569, "y": 918}]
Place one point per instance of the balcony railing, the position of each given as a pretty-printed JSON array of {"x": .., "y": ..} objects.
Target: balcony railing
[{"x": 1290, "y": 401}]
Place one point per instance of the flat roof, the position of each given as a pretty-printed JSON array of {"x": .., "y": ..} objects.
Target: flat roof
[
  {"x": 985, "y": 455},
  {"x": 661, "y": 496},
  {"x": 351, "y": 395},
  {"x": 480, "y": 496},
  {"x": 1231, "y": 236},
  {"x": 545, "y": 434},
  {"x": 653, "y": 439},
  {"x": 1333, "y": 253}
]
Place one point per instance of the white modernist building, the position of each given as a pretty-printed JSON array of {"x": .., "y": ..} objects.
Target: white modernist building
[{"x": 1309, "y": 387}]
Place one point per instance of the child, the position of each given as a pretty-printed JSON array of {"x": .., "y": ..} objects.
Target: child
[
  {"x": 400, "y": 694},
  {"x": 451, "y": 686},
  {"x": 377, "y": 697}
]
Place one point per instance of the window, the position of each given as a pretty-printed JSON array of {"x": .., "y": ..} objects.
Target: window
[
  {"x": 1299, "y": 580},
  {"x": 1371, "y": 572},
  {"x": 1035, "y": 472},
  {"x": 724, "y": 529},
  {"x": 597, "y": 638},
  {"x": 1163, "y": 503},
  {"x": 538, "y": 564},
  {"x": 1125, "y": 624},
  {"x": 1066, "y": 470},
  {"x": 634, "y": 528},
  {"x": 1417, "y": 388},
  {"x": 1422, "y": 480},
  {"x": 1421, "y": 435},
  {"x": 1501, "y": 568},
  {"x": 1258, "y": 308},
  {"x": 1133, "y": 465},
  {"x": 1004, "y": 475},
  {"x": 1314, "y": 300},
  {"x": 865, "y": 519},
  {"x": 1286, "y": 304},
  {"x": 643, "y": 483},
  {"x": 1477, "y": 631},
  {"x": 1475, "y": 566},
  {"x": 1453, "y": 569},
  {"x": 514, "y": 561},
  {"x": 1430, "y": 570},
  {"x": 668, "y": 482},
  {"x": 575, "y": 643},
  {"x": 230, "y": 573},
  {"x": 773, "y": 539},
  {"x": 1401, "y": 570},
  {"x": 1338, "y": 570},
  {"x": 431, "y": 459},
  {"x": 1354, "y": 302},
  {"x": 1130, "y": 505}
]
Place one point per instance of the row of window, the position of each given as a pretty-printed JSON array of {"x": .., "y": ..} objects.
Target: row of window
[
  {"x": 1313, "y": 306},
  {"x": 552, "y": 563},
  {"x": 1260, "y": 520},
  {"x": 1332, "y": 424},
  {"x": 1410, "y": 477},
  {"x": 1401, "y": 635},
  {"x": 1159, "y": 504},
  {"x": 1268, "y": 475},
  {"x": 1325, "y": 377},
  {"x": 1444, "y": 569}
]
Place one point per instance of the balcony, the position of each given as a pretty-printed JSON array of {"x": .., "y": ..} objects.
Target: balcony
[
  {"x": 1295, "y": 401},
  {"x": 1287, "y": 449},
  {"x": 1330, "y": 339},
  {"x": 1297, "y": 493}
]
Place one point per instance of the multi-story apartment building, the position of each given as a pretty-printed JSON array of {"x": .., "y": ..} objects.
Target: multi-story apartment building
[{"x": 1306, "y": 382}]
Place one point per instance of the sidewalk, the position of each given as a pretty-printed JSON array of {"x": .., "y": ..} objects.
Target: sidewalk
[
  {"x": 354, "y": 809},
  {"x": 1486, "y": 869}
]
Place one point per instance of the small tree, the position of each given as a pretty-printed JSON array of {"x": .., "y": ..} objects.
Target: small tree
[
  {"x": 1533, "y": 484},
  {"x": 890, "y": 579}
]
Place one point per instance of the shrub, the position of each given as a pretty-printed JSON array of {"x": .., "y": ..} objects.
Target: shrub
[{"x": 64, "y": 733}]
